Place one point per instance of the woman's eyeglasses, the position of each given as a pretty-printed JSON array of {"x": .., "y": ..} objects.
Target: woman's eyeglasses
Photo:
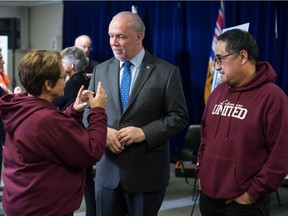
[{"x": 63, "y": 77}]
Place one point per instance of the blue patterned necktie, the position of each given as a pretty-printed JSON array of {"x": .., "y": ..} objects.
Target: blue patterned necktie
[{"x": 125, "y": 84}]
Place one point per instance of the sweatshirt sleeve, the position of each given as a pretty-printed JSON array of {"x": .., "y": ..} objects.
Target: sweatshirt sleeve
[
  {"x": 72, "y": 113},
  {"x": 70, "y": 144},
  {"x": 274, "y": 170}
]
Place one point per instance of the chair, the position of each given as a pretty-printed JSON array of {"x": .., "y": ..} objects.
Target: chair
[
  {"x": 285, "y": 185},
  {"x": 194, "y": 204},
  {"x": 187, "y": 157}
]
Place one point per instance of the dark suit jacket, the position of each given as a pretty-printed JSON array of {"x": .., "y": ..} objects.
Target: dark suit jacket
[
  {"x": 71, "y": 90},
  {"x": 157, "y": 105},
  {"x": 91, "y": 65}
]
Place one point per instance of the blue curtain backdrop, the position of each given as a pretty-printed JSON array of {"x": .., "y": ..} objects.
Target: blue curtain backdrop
[{"x": 181, "y": 33}]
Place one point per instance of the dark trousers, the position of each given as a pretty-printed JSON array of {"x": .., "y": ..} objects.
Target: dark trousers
[
  {"x": 89, "y": 193},
  {"x": 217, "y": 207},
  {"x": 117, "y": 202}
]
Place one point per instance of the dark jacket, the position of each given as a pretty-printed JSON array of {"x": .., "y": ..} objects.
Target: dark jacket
[
  {"x": 91, "y": 65},
  {"x": 71, "y": 90},
  {"x": 156, "y": 105}
]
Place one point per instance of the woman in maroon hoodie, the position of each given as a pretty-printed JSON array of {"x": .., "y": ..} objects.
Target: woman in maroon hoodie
[
  {"x": 46, "y": 150},
  {"x": 243, "y": 156}
]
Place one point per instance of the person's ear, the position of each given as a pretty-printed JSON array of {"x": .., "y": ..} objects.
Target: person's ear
[
  {"x": 243, "y": 54},
  {"x": 48, "y": 85}
]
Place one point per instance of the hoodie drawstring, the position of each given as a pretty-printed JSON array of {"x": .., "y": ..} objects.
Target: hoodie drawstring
[{"x": 230, "y": 118}]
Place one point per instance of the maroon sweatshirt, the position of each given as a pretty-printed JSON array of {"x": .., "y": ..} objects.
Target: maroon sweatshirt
[
  {"x": 244, "y": 140},
  {"x": 45, "y": 155}
]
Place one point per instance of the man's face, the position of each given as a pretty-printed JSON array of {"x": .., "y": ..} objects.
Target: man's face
[
  {"x": 124, "y": 42},
  {"x": 68, "y": 67},
  {"x": 227, "y": 65},
  {"x": 86, "y": 45}
]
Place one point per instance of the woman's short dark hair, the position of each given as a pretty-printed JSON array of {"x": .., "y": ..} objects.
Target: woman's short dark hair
[
  {"x": 38, "y": 66},
  {"x": 237, "y": 40}
]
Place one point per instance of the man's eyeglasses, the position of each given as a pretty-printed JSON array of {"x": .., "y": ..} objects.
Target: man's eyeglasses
[
  {"x": 219, "y": 59},
  {"x": 86, "y": 47}
]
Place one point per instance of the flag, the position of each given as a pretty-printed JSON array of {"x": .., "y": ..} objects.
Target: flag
[{"x": 211, "y": 69}]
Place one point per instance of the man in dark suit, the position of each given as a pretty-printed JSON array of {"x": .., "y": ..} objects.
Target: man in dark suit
[
  {"x": 133, "y": 174},
  {"x": 84, "y": 42}
]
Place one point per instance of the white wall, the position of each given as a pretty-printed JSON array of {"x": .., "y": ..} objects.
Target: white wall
[
  {"x": 46, "y": 26},
  {"x": 40, "y": 27}
]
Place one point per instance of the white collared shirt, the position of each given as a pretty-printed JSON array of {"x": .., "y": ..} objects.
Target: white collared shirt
[{"x": 135, "y": 68}]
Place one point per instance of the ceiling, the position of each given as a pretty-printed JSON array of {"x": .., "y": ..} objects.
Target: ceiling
[{"x": 28, "y": 3}]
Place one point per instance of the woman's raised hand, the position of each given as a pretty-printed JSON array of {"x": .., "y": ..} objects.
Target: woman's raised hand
[{"x": 100, "y": 98}]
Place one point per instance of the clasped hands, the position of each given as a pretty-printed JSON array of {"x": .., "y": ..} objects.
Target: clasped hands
[
  {"x": 118, "y": 140},
  {"x": 83, "y": 96}
]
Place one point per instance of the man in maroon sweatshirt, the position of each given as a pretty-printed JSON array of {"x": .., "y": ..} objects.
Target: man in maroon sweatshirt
[{"x": 243, "y": 156}]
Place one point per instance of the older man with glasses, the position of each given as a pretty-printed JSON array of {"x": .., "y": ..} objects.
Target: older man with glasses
[
  {"x": 84, "y": 42},
  {"x": 243, "y": 134}
]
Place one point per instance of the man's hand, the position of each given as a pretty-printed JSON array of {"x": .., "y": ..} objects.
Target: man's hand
[
  {"x": 199, "y": 184},
  {"x": 17, "y": 90},
  {"x": 89, "y": 75},
  {"x": 130, "y": 135},
  {"x": 244, "y": 199},
  {"x": 81, "y": 99},
  {"x": 100, "y": 98},
  {"x": 113, "y": 143}
]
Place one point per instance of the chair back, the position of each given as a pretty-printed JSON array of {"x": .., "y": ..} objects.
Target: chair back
[{"x": 192, "y": 139}]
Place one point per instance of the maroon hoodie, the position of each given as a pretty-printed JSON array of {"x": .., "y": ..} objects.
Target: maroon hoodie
[
  {"x": 45, "y": 155},
  {"x": 244, "y": 142}
]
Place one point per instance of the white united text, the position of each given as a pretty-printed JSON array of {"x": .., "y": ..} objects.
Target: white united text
[{"x": 230, "y": 110}]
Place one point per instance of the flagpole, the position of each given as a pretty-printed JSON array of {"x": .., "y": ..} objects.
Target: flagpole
[{"x": 211, "y": 76}]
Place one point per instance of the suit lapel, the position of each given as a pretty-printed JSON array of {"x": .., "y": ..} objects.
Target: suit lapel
[
  {"x": 113, "y": 77},
  {"x": 144, "y": 73}
]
